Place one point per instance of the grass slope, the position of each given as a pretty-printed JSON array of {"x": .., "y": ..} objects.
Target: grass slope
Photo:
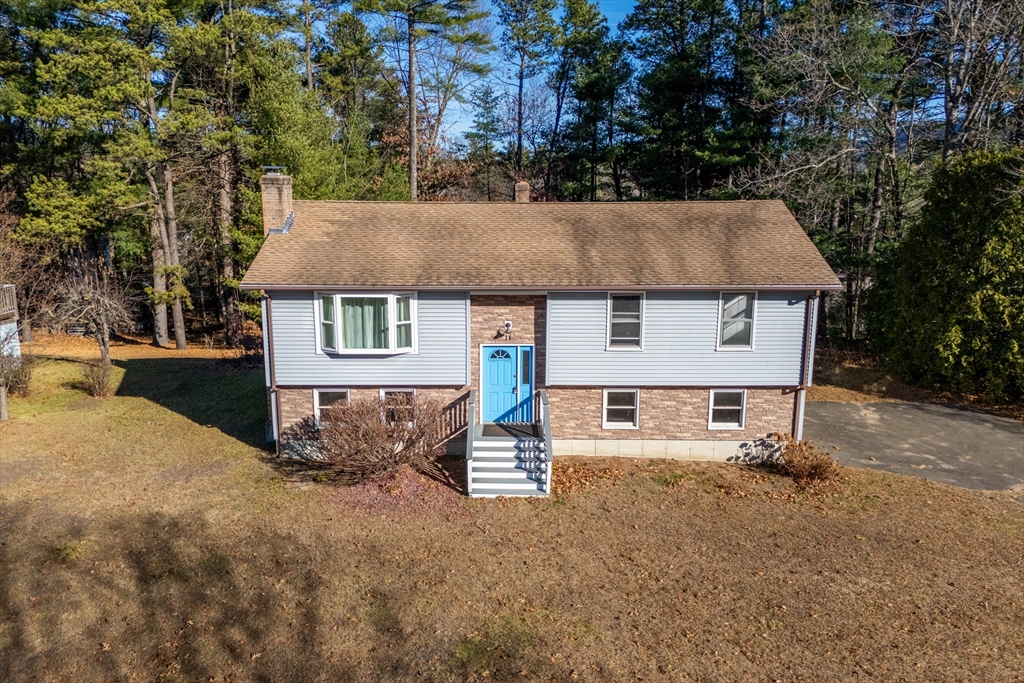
[{"x": 149, "y": 536}]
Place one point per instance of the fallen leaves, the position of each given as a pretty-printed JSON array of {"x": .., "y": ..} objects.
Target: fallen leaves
[{"x": 570, "y": 477}]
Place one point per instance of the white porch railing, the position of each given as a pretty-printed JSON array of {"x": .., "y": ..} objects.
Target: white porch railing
[{"x": 8, "y": 303}]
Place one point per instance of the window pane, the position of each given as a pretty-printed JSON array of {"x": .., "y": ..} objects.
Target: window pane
[
  {"x": 364, "y": 322},
  {"x": 327, "y": 335},
  {"x": 398, "y": 406},
  {"x": 739, "y": 307},
  {"x": 327, "y": 398},
  {"x": 525, "y": 376},
  {"x": 327, "y": 308},
  {"x": 404, "y": 312},
  {"x": 627, "y": 305},
  {"x": 736, "y": 333},
  {"x": 728, "y": 399},
  {"x": 621, "y": 415},
  {"x": 404, "y": 335},
  {"x": 628, "y": 333},
  {"x": 726, "y": 416},
  {"x": 621, "y": 399}
]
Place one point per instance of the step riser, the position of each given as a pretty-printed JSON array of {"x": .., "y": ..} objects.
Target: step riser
[{"x": 512, "y": 482}]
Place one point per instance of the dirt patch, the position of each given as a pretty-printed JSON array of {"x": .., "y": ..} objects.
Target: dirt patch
[
  {"x": 155, "y": 542},
  {"x": 853, "y": 377}
]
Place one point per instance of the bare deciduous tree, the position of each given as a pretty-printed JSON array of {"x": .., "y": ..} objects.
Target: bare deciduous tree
[{"x": 99, "y": 303}]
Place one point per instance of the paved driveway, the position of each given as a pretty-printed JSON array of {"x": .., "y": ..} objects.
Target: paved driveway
[{"x": 943, "y": 443}]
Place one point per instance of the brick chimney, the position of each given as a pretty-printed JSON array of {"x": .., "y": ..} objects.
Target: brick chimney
[
  {"x": 276, "y": 188},
  {"x": 522, "y": 192}
]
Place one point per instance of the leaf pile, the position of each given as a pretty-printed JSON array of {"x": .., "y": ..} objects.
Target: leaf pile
[{"x": 570, "y": 477}]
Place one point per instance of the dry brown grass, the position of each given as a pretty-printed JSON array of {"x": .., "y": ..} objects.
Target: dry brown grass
[
  {"x": 855, "y": 377},
  {"x": 148, "y": 537}
]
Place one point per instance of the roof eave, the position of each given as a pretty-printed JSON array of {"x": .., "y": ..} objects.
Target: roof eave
[{"x": 835, "y": 286}]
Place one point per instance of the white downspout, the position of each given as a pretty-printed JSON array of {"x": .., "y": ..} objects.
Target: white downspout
[{"x": 810, "y": 336}]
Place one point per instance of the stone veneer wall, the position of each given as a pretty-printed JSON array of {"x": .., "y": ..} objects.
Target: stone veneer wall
[
  {"x": 488, "y": 313},
  {"x": 668, "y": 413},
  {"x": 297, "y": 402}
]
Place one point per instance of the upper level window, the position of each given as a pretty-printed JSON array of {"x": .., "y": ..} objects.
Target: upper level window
[
  {"x": 736, "y": 326},
  {"x": 381, "y": 323},
  {"x": 625, "y": 320}
]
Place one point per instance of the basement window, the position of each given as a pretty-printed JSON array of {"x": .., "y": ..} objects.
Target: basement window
[
  {"x": 367, "y": 324},
  {"x": 398, "y": 405},
  {"x": 325, "y": 398},
  {"x": 621, "y": 409},
  {"x": 727, "y": 408}
]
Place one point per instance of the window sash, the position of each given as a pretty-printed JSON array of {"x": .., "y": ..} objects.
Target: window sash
[
  {"x": 621, "y": 408},
  {"x": 625, "y": 325},
  {"x": 736, "y": 329},
  {"x": 365, "y": 323},
  {"x": 727, "y": 409},
  {"x": 323, "y": 400},
  {"x": 327, "y": 323}
]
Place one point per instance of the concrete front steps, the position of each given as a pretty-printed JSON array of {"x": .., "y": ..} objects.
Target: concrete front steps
[{"x": 507, "y": 466}]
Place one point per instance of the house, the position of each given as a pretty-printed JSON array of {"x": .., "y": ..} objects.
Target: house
[{"x": 674, "y": 329}]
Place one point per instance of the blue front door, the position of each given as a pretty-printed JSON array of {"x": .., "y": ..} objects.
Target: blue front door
[
  {"x": 507, "y": 384},
  {"x": 501, "y": 384}
]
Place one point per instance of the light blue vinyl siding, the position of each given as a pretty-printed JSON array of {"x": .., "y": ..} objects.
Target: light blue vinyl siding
[
  {"x": 679, "y": 339},
  {"x": 443, "y": 357}
]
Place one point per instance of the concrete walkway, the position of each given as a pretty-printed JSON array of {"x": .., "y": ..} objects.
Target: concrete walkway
[{"x": 944, "y": 443}]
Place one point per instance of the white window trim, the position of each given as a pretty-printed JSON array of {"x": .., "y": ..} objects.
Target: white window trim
[
  {"x": 721, "y": 312},
  {"x": 743, "y": 410},
  {"x": 316, "y": 400},
  {"x": 608, "y": 322},
  {"x": 604, "y": 410},
  {"x": 392, "y": 350},
  {"x": 407, "y": 390}
]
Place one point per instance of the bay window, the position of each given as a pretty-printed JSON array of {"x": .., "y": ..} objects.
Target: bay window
[{"x": 358, "y": 323}]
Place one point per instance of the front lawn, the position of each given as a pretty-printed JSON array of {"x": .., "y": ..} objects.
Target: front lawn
[{"x": 150, "y": 536}]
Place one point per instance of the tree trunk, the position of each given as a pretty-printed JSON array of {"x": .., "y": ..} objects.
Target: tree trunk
[
  {"x": 561, "y": 86},
  {"x": 3, "y": 402},
  {"x": 876, "y": 206},
  {"x": 103, "y": 337},
  {"x": 26, "y": 329},
  {"x": 307, "y": 51},
  {"x": 413, "y": 128},
  {"x": 228, "y": 293},
  {"x": 519, "y": 119},
  {"x": 158, "y": 233},
  {"x": 177, "y": 276}
]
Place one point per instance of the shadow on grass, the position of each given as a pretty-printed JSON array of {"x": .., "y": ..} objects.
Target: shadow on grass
[
  {"x": 217, "y": 393},
  {"x": 174, "y": 598}
]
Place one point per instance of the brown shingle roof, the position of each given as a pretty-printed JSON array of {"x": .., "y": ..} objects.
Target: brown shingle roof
[{"x": 540, "y": 245}]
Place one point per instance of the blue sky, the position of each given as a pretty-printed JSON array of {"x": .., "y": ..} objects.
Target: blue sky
[{"x": 614, "y": 10}]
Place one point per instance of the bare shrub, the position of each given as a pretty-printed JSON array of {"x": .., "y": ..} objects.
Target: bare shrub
[
  {"x": 16, "y": 373},
  {"x": 96, "y": 377},
  {"x": 370, "y": 440},
  {"x": 807, "y": 466}
]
